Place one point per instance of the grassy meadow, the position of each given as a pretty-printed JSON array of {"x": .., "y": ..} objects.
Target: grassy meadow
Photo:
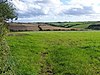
[{"x": 55, "y": 53}]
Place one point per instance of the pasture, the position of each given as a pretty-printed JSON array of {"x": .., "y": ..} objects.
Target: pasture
[{"x": 55, "y": 53}]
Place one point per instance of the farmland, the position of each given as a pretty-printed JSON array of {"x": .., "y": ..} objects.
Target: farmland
[
  {"x": 82, "y": 25},
  {"x": 38, "y": 27},
  {"x": 55, "y": 53},
  {"x": 55, "y": 26}
]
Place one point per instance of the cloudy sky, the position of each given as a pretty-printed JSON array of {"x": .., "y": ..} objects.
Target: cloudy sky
[{"x": 57, "y": 10}]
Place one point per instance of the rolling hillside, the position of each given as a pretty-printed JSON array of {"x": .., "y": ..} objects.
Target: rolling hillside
[
  {"x": 82, "y": 25},
  {"x": 55, "y": 26}
]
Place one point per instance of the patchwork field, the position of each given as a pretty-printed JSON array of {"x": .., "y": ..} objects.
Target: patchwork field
[
  {"x": 38, "y": 27},
  {"x": 55, "y": 26},
  {"x": 55, "y": 53},
  {"x": 82, "y": 25}
]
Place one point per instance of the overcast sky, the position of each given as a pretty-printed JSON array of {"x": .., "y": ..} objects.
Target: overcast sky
[{"x": 57, "y": 10}]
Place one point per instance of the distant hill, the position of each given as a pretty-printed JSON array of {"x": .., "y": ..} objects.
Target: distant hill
[
  {"x": 55, "y": 26},
  {"x": 82, "y": 25}
]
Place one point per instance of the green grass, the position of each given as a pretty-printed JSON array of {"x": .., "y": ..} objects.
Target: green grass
[{"x": 58, "y": 53}]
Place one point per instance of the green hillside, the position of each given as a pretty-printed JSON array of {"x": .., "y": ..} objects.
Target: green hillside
[{"x": 82, "y": 25}]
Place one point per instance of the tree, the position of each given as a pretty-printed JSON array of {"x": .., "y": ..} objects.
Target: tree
[
  {"x": 7, "y": 11},
  {"x": 2, "y": 1}
]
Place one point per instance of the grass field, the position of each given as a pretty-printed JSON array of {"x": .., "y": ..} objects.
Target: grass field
[
  {"x": 55, "y": 53},
  {"x": 82, "y": 25}
]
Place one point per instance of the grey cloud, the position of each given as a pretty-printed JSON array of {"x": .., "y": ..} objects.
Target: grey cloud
[
  {"x": 45, "y": 7},
  {"x": 43, "y": 1},
  {"x": 37, "y": 1},
  {"x": 35, "y": 8},
  {"x": 31, "y": 13},
  {"x": 79, "y": 11}
]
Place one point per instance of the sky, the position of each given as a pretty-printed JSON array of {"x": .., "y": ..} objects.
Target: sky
[{"x": 57, "y": 10}]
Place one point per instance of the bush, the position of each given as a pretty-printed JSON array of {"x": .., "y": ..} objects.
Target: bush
[{"x": 5, "y": 66}]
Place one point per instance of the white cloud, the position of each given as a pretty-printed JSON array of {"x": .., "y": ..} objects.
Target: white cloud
[
  {"x": 46, "y": 9},
  {"x": 20, "y": 5},
  {"x": 95, "y": 4}
]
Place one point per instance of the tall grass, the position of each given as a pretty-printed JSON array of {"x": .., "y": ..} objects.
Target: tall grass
[{"x": 55, "y": 53}]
